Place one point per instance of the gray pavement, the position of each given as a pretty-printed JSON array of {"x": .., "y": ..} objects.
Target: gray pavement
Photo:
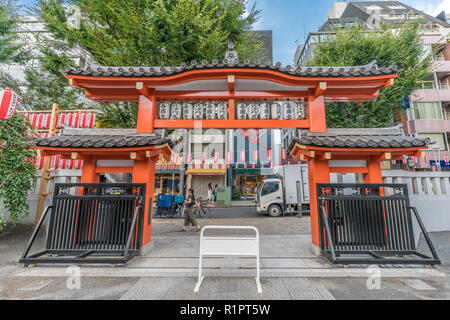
[{"x": 168, "y": 270}]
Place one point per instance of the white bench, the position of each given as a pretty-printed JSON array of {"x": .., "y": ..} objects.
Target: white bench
[{"x": 229, "y": 246}]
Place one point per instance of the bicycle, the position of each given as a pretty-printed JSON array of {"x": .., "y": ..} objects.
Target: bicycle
[{"x": 201, "y": 211}]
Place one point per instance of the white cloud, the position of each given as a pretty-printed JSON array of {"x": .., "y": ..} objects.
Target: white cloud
[
  {"x": 443, "y": 6},
  {"x": 431, "y": 9}
]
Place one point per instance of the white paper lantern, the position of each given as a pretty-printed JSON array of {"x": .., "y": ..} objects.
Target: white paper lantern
[
  {"x": 276, "y": 111},
  {"x": 222, "y": 111},
  {"x": 300, "y": 110},
  {"x": 164, "y": 110},
  {"x": 242, "y": 111},
  {"x": 187, "y": 111},
  {"x": 253, "y": 111},
  {"x": 289, "y": 110},
  {"x": 176, "y": 111},
  {"x": 198, "y": 111},
  {"x": 264, "y": 111},
  {"x": 210, "y": 111}
]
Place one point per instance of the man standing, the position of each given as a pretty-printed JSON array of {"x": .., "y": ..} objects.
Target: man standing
[{"x": 190, "y": 216}]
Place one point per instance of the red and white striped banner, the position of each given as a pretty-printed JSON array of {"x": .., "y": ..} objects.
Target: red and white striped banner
[
  {"x": 256, "y": 156},
  {"x": 242, "y": 156}
]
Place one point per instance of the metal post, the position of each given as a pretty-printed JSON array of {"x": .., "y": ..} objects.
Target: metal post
[{"x": 299, "y": 199}]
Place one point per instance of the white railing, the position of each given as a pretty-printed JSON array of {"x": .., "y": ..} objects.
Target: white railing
[
  {"x": 420, "y": 183},
  {"x": 229, "y": 246},
  {"x": 429, "y": 192}
]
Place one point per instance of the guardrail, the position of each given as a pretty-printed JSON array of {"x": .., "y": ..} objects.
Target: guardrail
[
  {"x": 91, "y": 223},
  {"x": 369, "y": 223}
]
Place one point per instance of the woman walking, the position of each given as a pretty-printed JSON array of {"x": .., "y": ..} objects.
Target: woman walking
[
  {"x": 190, "y": 216},
  {"x": 215, "y": 193},
  {"x": 210, "y": 193}
]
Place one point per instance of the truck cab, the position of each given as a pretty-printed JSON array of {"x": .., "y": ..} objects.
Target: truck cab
[
  {"x": 288, "y": 193},
  {"x": 269, "y": 197}
]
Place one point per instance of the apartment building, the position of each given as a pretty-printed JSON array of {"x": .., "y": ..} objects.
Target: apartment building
[{"x": 429, "y": 114}]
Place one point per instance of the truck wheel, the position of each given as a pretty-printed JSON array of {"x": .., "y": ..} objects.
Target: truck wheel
[{"x": 274, "y": 210}]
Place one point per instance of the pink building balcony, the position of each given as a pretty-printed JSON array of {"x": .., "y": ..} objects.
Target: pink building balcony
[
  {"x": 429, "y": 126},
  {"x": 431, "y": 95},
  {"x": 441, "y": 66}
]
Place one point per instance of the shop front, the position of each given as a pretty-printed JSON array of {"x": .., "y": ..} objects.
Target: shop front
[
  {"x": 246, "y": 181},
  {"x": 198, "y": 179},
  {"x": 167, "y": 181}
]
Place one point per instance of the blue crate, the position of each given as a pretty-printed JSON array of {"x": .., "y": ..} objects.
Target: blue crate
[
  {"x": 165, "y": 201},
  {"x": 179, "y": 199}
]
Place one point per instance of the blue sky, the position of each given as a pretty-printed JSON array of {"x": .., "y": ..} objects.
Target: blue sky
[{"x": 291, "y": 20}]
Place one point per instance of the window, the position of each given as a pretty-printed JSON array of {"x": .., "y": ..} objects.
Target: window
[
  {"x": 439, "y": 138},
  {"x": 427, "y": 111},
  {"x": 269, "y": 188}
]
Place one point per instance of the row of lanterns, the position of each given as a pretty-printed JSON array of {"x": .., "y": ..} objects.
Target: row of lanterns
[
  {"x": 175, "y": 158},
  {"x": 288, "y": 110},
  {"x": 197, "y": 111}
]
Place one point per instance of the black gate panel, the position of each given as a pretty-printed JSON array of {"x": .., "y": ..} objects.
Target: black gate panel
[
  {"x": 369, "y": 223},
  {"x": 92, "y": 223}
]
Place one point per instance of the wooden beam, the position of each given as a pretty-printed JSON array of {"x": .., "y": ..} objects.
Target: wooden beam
[
  {"x": 320, "y": 89},
  {"x": 349, "y": 170},
  {"x": 231, "y": 81},
  {"x": 113, "y": 169},
  {"x": 326, "y": 156}
]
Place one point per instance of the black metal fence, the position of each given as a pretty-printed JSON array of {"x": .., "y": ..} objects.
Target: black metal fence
[
  {"x": 91, "y": 223},
  {"x": 369, "y": 223}
]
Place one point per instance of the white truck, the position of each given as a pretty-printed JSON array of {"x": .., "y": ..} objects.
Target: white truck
[{"x": 285, "y": 194}]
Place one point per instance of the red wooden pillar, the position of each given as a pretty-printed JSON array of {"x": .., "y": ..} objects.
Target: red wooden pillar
[
  {"x": 374, "y": 171},
  {"x": 144, "y": 172},
  {"x": 88, "y": 174},
  {"x": 316, "y": 114},
  {"x": 147, "y": 112},
  {"x": 318, "y": 172}
]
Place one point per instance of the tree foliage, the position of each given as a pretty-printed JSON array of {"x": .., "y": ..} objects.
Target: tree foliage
[
  {"x": 17, "y": 170},
  {"x": 10, "y": 47},
  {"x": 355, "y": 45},
  {"x": 139, "y": 33}
]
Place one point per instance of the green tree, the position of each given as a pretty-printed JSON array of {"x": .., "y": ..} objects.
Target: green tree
[
  {"x": 17, "y": 170},
  {"x": 355, "y": 45},
  {"x": 141, "y": 33},
  {"x": 11, "y": 49}
]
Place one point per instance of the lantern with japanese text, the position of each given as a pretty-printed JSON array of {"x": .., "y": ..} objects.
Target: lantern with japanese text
[{"x": 8, "y": 103}]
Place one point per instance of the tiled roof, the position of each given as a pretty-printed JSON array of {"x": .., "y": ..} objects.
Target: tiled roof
[
  {"x": 360, "y": 138},
  {"x": 102, "y": 138},
  {"x": 371, "y": 69}
]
